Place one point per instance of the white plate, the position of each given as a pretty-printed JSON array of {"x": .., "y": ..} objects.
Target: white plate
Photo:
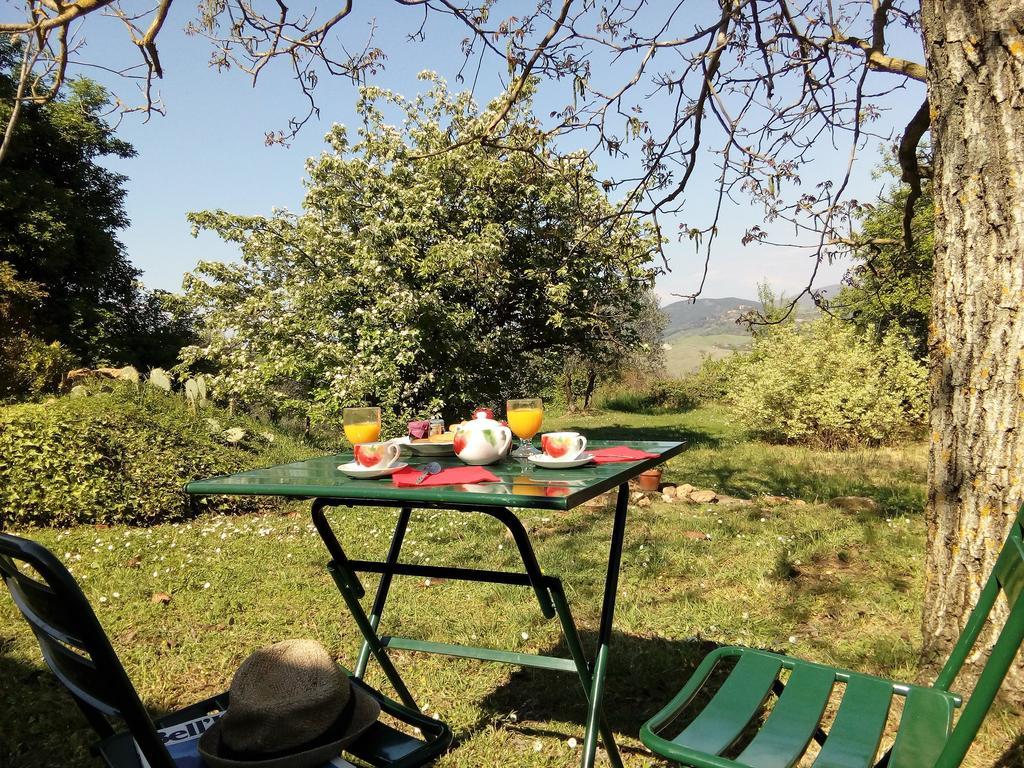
[
  {"x": 543, "y": 460},
  {"x": 432, "y": 449},
  {"x": 354, "y": 469}
]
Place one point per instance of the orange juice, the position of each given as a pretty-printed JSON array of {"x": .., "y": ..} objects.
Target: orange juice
[
  {"x": 525, "y": 423},
  {"x": 362, "y": 433}
]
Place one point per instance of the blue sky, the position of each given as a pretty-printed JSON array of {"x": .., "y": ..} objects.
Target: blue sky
[{"x": 208, "y": 152}]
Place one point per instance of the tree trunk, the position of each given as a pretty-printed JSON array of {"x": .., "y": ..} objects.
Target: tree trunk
[
  {"x": 975, "y": 54},
  {"x": 568, "y": 389},
  {"x": 588, "y": 393}
]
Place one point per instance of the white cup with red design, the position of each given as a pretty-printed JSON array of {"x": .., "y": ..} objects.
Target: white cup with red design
[
  {"x": 564, "y": 446},
  {"x": 377, "y": 455}
]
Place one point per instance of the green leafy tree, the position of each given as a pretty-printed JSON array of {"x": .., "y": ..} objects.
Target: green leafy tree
[
  {"x": 890, "y": 285},
  {"x": 66, "y": 276},
  {"x": 425, "y": 273},
  {"x": 632, "y": 350}
]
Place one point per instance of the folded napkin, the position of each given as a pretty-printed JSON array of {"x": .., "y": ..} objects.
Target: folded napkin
[
  {"x": 620, "y": 453},
  {"x": 406, "y": 478}
]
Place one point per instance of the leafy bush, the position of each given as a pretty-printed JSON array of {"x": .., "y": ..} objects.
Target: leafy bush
[
  {"x": 829, "y": 385},
  {"x": 121, "y": 456},
  {"x": 30, "y": 367},
  {"x": 711, "y": 381}
]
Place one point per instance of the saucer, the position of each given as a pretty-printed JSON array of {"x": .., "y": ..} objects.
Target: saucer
[
  {"x": 354, "y": 469},
  {"x": 543, "y": 460}
]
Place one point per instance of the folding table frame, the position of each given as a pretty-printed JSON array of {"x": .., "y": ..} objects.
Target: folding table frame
[{"x": 319, "y": 479}]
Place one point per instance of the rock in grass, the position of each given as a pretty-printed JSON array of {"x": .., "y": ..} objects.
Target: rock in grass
[
  {"x": 703, "y": 497},
  {"x": 732, "y": 501},
  {"x": 854, "y": 503}
]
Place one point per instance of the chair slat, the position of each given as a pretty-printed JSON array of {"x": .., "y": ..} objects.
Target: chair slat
[
  {"x": 78, "y": 674},
  {"x": 924, "y": 728},
  {"x": 734, "y": 704},
  {"x": 41, "y": 606},
  {"x": 1009, "y": 570},
  {"x": 857, "y": 729},
  {"x": 789, "y": 728}
]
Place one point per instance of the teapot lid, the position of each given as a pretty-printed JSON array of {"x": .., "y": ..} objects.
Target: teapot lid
[{"x": 480, "y": 420}]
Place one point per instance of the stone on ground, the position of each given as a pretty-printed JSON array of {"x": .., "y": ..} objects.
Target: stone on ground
[
  {"x": 854, "y": 503},
  {"x": 703, "y": 497}
]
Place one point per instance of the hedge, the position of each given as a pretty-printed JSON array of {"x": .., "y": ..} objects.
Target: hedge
[{"x": 121, "y": 456}]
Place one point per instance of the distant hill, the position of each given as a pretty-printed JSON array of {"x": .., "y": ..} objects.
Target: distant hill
[
  {"x": 708, "y": 328},
  {"x": 707, "y": 316}
]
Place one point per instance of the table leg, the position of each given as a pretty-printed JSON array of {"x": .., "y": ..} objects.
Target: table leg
[
  {"x": 572, "y": 640},
  {"x": 604, "y": 637},
  {"x": 351, "y": 590},
  {"x": 382, "y": 588}
]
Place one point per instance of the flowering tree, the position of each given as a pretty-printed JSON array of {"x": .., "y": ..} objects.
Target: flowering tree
[{"x": 424, "y": 274}]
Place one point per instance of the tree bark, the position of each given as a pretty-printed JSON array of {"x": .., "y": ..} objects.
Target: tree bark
[
  {"x": 568, "y": 389},
  {"x": 588, "y": 393},
  {"x": 975, "y": 54}
]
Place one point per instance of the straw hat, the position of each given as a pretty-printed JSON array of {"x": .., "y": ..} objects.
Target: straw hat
[{"x": 290, "y": 706}]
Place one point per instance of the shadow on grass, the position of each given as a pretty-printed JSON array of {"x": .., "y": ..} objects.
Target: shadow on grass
[
  {"x": 1013, "y": 757},
  {"x": 42, "y": 727},
  {"x": 643, "y": 674},
  {"x": 899, "y": 495},
  {"x": 693, "y": 438}
]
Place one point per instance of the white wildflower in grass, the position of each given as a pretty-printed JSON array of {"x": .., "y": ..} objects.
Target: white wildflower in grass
[
  {"x": 524, "y": 635},
  {"x": 572, "y": 742},
  {"x": 537, "y": 746},
  {"x": 206, "y": 585}
]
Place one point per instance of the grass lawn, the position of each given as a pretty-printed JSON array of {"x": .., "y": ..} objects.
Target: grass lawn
[
  {"x": 687, "y": 351},
  {"x": 802, "y": 578}
]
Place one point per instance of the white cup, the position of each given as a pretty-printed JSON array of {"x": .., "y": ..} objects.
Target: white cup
[
  {"x": 377, "y": 455},
  {"x": 564, "y": 446}
]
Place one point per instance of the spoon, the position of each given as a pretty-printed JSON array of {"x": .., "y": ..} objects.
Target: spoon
[{"x": 429, "y": 469}]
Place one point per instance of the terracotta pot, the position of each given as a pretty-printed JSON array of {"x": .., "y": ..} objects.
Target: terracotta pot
[{"x": 649, "y": 480}]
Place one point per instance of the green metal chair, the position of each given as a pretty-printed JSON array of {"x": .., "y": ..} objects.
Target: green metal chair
[
  {"x": 77, "y": 651},
  {"x": 729, "y": 732}
]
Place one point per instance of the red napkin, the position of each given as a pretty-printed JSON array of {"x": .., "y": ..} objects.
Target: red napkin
[
  {"x": 620, "y": 453},
  {"x": 406, "y": 478}
]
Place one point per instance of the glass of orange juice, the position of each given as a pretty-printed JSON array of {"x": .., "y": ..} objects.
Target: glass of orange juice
[
  {"x": 362, "y": 425},
  {"x": 524, "y": 419}
]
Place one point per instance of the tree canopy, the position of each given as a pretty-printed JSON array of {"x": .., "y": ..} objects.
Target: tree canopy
[
  {"x": 425, "y": 273},
  {"x": 890, "y": 283},
  {"x": 67, "y": 276}
]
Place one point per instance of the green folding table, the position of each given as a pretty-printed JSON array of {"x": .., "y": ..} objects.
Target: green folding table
[{"x": 321, "y": 480}]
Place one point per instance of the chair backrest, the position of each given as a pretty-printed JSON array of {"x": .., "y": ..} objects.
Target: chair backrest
[
  {"x": 74, "y": 645},
  {"x": 1007, "y": 577}
]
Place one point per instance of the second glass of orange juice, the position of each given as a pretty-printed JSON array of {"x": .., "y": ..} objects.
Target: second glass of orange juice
[
  {"x": 362, "y": 425},
  {"x": 524, "y": 419}
]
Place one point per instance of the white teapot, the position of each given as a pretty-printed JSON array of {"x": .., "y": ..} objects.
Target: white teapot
[{"x": 481, "y": 440}]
